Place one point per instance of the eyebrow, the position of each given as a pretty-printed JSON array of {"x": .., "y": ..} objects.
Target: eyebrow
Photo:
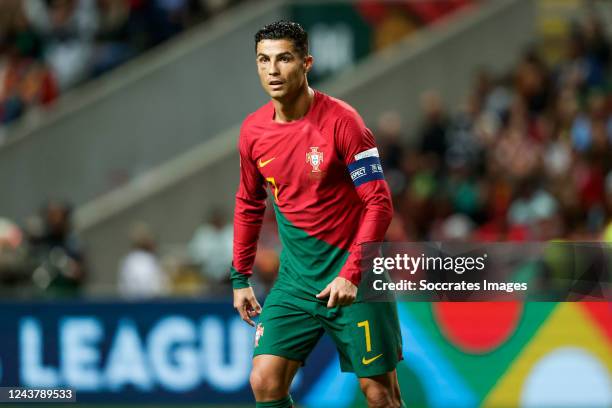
[{"x": 282, "y": 54}]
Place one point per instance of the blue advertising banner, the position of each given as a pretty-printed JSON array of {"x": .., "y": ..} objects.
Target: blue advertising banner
[
  {"x": 494, "y": 354},
  {"x": 166, "y": 351}
]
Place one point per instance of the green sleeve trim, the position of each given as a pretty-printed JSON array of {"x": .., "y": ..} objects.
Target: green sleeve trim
[{"x": 239, "y": 280}]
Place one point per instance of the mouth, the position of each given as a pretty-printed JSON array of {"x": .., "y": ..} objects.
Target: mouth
[{"x": 275, "y": 84}]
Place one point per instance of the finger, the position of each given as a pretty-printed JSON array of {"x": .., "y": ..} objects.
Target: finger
[
  {"x": 245, "y": 315},
  {"x": 257, "y": 306},
  {"x": 347, "y": 300},
  {"x": 332, "y": 299},
  {"x": 324, "y": 293},
  {"x": 253, "y": 308}
]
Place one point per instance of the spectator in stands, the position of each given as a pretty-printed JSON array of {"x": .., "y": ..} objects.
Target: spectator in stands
[
  {"x": 211, "y": 247},
  {"x": 58, "y": 252},
  {"x": 515, "y": 152},
  {"x": 391, "y": 150},
  {"x": 174, "y": 15},
  {"x": 24, "y": 78},
  {"x": 13, "y": 264},
  {"x": 532, "y": 83},
  {"x": 140, "y": 272},
  {"x": 434, "y": 127},
  {"x": 68, "y": 27},
  {"x": 464, "y": 147},
  {"x": 113, "y": 46},
  {"x": 462, "y": 188},
  {"x": 598, "y": 46},
  {"x": 455, "y": 228}
]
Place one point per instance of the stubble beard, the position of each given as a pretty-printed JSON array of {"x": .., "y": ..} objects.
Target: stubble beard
[{"x": 289, "y": 96}]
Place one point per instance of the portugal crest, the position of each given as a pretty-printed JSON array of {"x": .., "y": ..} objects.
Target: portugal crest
[
  {"x": 315, "y": 158},
  {"x": 258, "y": 333}
]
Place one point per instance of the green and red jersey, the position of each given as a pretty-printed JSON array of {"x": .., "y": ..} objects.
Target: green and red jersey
[{"x": 328, "y": 189}]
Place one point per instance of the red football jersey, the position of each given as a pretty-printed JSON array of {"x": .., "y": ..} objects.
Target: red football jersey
[{"x": 329, "y": 193}]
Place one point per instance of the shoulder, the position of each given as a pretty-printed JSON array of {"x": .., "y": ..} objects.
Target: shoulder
[
  {"x": 342, "y": 111},
  {"x": 253, "y": 123},
  {"x": 257, "y": 118},
  {"x": 347, "y": 123}
]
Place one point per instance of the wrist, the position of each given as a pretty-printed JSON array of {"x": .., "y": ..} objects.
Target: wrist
[
  {"x": 239, "y": 280},
  {"x": 353, "y": 277}
]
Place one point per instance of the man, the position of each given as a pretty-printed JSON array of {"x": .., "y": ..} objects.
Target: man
[{"x": 321, "y": 165}]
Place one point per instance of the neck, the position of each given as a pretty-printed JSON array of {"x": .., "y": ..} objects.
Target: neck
[{"x": 295, "y": 108}]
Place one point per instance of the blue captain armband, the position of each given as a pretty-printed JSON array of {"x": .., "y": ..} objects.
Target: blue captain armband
[{"x": 366, "y": 169}]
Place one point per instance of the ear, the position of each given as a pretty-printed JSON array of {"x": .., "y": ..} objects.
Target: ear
[{"x": 308, "y": 61}]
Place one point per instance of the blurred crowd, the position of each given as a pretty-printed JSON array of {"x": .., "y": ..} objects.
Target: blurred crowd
[
  {"x": 526, "y": 157},
  {"x": 44, "y": 257},
  {"x": 49, "y": 46}
]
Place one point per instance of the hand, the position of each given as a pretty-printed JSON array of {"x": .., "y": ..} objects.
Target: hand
[
  {"x": 340, "y": 291},
  {"x": 246, "y": 304}
]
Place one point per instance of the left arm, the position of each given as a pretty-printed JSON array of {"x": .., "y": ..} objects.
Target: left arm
[{"x": 358, "y": 149}]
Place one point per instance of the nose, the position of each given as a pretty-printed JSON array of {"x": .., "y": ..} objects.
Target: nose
[{"x": 273, "y": 69}]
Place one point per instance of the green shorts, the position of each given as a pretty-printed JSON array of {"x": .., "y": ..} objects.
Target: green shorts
[{"x": 367, "y": 335}]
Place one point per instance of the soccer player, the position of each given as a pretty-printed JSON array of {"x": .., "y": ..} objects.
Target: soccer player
[{"x": 321, "y": 165}]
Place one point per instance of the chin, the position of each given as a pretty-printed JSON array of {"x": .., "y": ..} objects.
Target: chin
[
  {"x": 277, "y": 94},
  {"x": 276, "y": 91}
]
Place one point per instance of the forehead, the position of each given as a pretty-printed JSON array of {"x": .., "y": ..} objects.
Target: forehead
[{"x": 275, "y": 47}]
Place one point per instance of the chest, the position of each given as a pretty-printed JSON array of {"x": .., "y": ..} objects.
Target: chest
[{"x": 299, "y": 157}]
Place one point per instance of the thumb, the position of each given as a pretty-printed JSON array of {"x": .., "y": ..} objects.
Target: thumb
[{"x": 324, "y": 293}]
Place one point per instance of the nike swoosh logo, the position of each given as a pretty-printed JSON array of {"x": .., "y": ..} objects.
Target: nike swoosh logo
[
  {"x": 264, "y": 163},
  {"x": 369, "y": 360}
]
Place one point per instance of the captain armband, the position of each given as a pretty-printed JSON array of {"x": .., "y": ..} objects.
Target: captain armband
[{"x": 366, "y": 167}]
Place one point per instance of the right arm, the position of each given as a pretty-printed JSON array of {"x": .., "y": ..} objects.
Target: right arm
[{"x": 248, "y": 217}]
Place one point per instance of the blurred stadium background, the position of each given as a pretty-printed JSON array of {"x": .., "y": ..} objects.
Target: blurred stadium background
[{"x": 118, "y": 126}]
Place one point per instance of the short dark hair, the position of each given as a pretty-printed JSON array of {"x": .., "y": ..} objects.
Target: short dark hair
[{"x": 285, "y": 30}]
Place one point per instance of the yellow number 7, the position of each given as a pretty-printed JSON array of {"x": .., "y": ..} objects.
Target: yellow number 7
[
  {"x": 366, "y": 325},
  {"x": 273, "y": 183}
]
